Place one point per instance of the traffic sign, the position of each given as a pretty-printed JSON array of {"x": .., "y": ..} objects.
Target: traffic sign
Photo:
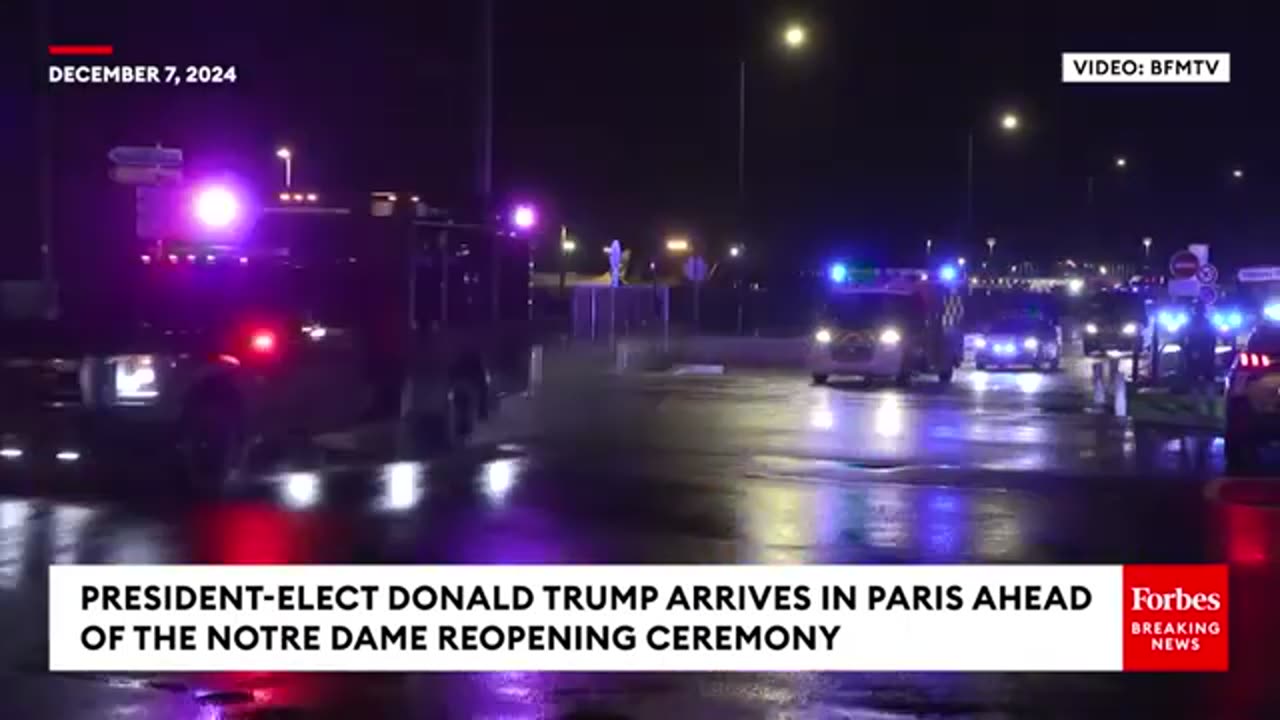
[
  {"x": 1208, "y": 294},
  {"x": 615, "y": 261},
  {"x": 1184, "y": 287},
  {"x": 1207, "y": 274},
  {"x": 1184, "y": 264},
  {"x": 140, "y": 175},
  {"x": 695, "y": 268},
  {"x": 1259, "y": 274},
  {"x": 146, "y": 156}
]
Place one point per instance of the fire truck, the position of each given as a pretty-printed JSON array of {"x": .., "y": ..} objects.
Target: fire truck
[
  {"x": 889, "y": 323},
  {"x": 255, "y": 323}
]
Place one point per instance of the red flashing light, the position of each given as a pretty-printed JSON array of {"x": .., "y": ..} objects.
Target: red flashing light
[
  {"x": 226, "y": 359},
  {"x": 263, "y": 341},
  {"x": 1254, "y": 360}
]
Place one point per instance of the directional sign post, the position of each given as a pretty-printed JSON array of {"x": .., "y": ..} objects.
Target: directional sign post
[{"x": 146, "y": 156}]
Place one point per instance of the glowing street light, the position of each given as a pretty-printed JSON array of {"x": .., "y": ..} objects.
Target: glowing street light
[
  {"x": 286, "y": 155},
  {"x": 735, "y": 251},
  {"x": 677, "y": 245},
  {"x": 1237, "y": 173},
  {"x": 1010, "y": 122},
  {"x": 1146, "y": 246},
  {"x": 991, "y": 246},
  {"x": 568, "y": 246},
  {"x": 795, "y": 35},
  {"x": 960, "y": 262},
  {"x": 1122, "y": 162}
]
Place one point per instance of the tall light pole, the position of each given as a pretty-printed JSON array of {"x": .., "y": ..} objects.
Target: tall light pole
[
  {"x": 1146, "y": 247},
  {"x": 286, "y": 155},
  {"x": 795, "y": 37},
  {"x": 1009, "y": 122},
  {"x": 991, "y": 248}
]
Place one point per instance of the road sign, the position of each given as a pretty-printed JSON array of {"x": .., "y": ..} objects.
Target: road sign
[
  {"x": 1207, "y": 274},
  {"x": 1184, "y": 287},
  {"x": 1259, "y": 274},
  {"x": 146, "y": 156},
  {"x": 1208, "y": 294},
  {"x": 615, "y": 261},
  {"x": 139, "y": 175},
  {"x": 695, "y": 268},
  {"x": 1184, "y": 264}
]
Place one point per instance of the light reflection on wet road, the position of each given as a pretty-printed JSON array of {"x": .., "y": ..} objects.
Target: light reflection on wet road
[{"x": 750, "y": 469}]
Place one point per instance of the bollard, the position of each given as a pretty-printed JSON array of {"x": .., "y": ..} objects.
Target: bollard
[
  {"x": 1099, "y": 388},
  {"x": 623, "y": 357},
  {"x": 535, "y": 369},
  {"x": 1122, "y": 398}
]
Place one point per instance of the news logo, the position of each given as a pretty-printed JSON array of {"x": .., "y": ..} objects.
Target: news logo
[{"x": 1175, "y": 617}]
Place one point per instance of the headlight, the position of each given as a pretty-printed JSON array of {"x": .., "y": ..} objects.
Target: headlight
[
  {"x": 1031, "y": 343},
  {"x": 979, "y": 342},
  {"x": 890, "y": 337},
  {"x": 135, "y": 377},
  {"x": 1130, "y": 329},
  {"x": 823, "y": 336},
  {"x": 1091, "y": 328}
]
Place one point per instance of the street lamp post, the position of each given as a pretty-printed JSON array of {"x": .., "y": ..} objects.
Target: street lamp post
[
  {"x": 1146, "y": 247},
  {"x": 286, "y": 155},
  {"x": 991, "y": 248},
  {"x": 795, "y": 37},
  {"x": 1009, "y": 122}
]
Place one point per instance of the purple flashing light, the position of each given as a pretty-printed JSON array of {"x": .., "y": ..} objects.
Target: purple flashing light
[
  {"x": 524, "y": 217},
  {"x": 216, "y": 207}
]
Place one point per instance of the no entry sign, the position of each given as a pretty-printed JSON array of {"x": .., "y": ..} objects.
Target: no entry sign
[{"x": 1184, "y": 264}]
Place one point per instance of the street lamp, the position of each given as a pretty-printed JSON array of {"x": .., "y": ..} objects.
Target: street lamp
[
  {"x": 1010, "y": 122},
  {"x": 991, "y": 247},
  {"x": 677, "y": 245},
  {"x": 735, "y": 251},
  {"x": 568, "y": 246},
  {"x": 795, "y": 36},
  {"x": 286, "y": 155},
  {"x": 1146, "y": 246},
  {"x": 960, "y": 262},
  {"x": 1122, "y": 162},
  {"x": 1237, "y": 173},
  {"x": 928, "y": 248}
]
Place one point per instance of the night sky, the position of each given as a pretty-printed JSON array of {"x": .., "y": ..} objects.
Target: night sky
[{"x": 621, "y": 117}]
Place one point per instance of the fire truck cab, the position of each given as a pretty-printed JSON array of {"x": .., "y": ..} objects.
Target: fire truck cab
[
  {"x": 269, "y": 322},
  {"x": 888, "y": 323}
]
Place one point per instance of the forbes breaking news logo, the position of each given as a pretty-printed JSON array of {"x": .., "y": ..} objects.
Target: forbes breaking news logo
[
  {"x": 1175, "y": 617},
  {"x": 1146, "y": 67}
]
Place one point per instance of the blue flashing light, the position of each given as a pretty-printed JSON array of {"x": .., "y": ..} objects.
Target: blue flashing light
[
  {"x": 948, "y": 273},
  {"x": 1235, "y": 319},
  {"x": 1173, "y": 321},
  {"x": 839, "y": 272},
  {"x": 1272, "y": 312}
]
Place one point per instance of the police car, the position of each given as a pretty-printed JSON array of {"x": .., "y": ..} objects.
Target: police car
[
  {"x": 887, "y": 324},
  {"x": 1253, "y": 395}
]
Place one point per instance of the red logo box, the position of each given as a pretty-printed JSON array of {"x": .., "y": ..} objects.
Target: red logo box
[{"x": 1175, "y": 617}]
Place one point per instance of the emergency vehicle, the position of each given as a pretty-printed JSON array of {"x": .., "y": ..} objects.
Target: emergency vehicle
[
  {"x": 888, "y": 323},
  {"x": 256, "y": 324}
]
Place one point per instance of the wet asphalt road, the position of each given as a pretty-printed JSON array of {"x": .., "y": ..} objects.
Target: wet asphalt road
[{"x": 750, "y": 468}]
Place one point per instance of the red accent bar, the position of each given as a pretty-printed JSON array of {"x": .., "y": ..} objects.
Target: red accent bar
[{"x": 81, "y": 50}]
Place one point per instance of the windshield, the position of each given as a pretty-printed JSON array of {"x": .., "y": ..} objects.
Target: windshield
[
  {"x": 857, "y": 311},
  {"x": 1116, "y": 307},
  {"x": 1021, "y": 326}
]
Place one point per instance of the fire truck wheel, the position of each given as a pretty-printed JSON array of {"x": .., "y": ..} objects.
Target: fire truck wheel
[
  {"x": 211, "y": 439},
  {"x": 819, "y": 378},
  {"x": 946, "y": 376}
]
